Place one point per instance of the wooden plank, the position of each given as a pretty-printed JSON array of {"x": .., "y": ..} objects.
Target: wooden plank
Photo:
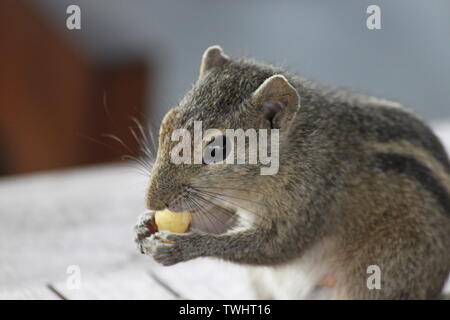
[
  {"x": 125, "y": 284},
  {"x": 29, "y": 293},
  {"x": 75, "y": 217},
  {"x": 206, "y": 278}
]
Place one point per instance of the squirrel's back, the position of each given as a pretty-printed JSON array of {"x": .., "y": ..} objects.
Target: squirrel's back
[{"x": 381, "y": 176}]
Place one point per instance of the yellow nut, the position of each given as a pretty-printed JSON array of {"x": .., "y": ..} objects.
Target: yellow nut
[{"x": 174, "y": 222}]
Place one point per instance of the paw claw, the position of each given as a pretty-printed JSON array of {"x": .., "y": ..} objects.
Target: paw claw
[
  {"x": 141, "y": 228},
  {"x": 162, "y": 252},
  {"x": 167, "y": 248}
]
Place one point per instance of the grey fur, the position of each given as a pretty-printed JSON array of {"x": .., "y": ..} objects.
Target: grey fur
[{"x": 329, "y": 185}]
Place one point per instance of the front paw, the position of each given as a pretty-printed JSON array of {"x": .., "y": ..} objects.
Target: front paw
[
  {"x": 169, "y": 248},
  {"x": 144, "y": 228}
]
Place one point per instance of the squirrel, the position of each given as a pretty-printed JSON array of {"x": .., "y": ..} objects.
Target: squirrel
[{"x": 362, "y": 182}]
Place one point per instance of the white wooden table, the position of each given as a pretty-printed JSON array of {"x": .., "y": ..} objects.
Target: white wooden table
[{"x": 84, "y": 217}]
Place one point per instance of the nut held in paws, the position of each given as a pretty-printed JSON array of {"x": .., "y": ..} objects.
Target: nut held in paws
[{"x": 173, "y": 222}]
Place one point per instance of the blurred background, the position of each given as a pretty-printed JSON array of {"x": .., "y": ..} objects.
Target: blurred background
[{"x": 62, "y": 90}]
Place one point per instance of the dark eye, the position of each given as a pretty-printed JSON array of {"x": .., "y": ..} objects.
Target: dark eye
[{"x": 216, "y": 151}]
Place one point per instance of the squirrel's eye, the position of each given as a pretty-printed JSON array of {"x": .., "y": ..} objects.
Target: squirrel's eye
[{"x": 215, "y": 151}]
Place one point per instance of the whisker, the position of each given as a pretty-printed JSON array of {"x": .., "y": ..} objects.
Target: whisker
[
  {"x": 204, "y": 215},
  {"x": 142, "y": 148},
  {"x": 220, "y": 197},
  {"x": 262, "y": 217},
  {"x": 146, "y": 165},
  {"x": 98, "y": 142},
  {"x": 142, "y": 140},
  {"x": 124, "y": 157},
  {"x": 222, "y": 217},
  {"x": 224, "y": 212},
  {"x": 225, "y": 188},
  {"x": 117, "y": 139},
  {"x": 229, "y": 196}
]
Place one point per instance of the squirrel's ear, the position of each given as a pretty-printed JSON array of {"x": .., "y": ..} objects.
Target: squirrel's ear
[
  {"x": 212, "y": 58},
  {"x": 278, "y": 99}
]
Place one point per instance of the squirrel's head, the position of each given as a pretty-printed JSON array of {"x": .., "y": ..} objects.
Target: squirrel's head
[{"x": 229, "y": 94}]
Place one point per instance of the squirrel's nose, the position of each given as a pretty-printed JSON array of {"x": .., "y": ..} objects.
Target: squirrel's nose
[
  {"x": 154, "y": 203},
  {"x": 157, "y": 193}
]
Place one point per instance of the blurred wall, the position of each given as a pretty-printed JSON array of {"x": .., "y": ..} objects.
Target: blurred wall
[
  {"x": 56, "y": 101},
  {"x": 325, "y": 40}
]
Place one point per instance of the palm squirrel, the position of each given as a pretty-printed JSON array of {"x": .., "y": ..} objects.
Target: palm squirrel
[{"x": 362, "y": 182}]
